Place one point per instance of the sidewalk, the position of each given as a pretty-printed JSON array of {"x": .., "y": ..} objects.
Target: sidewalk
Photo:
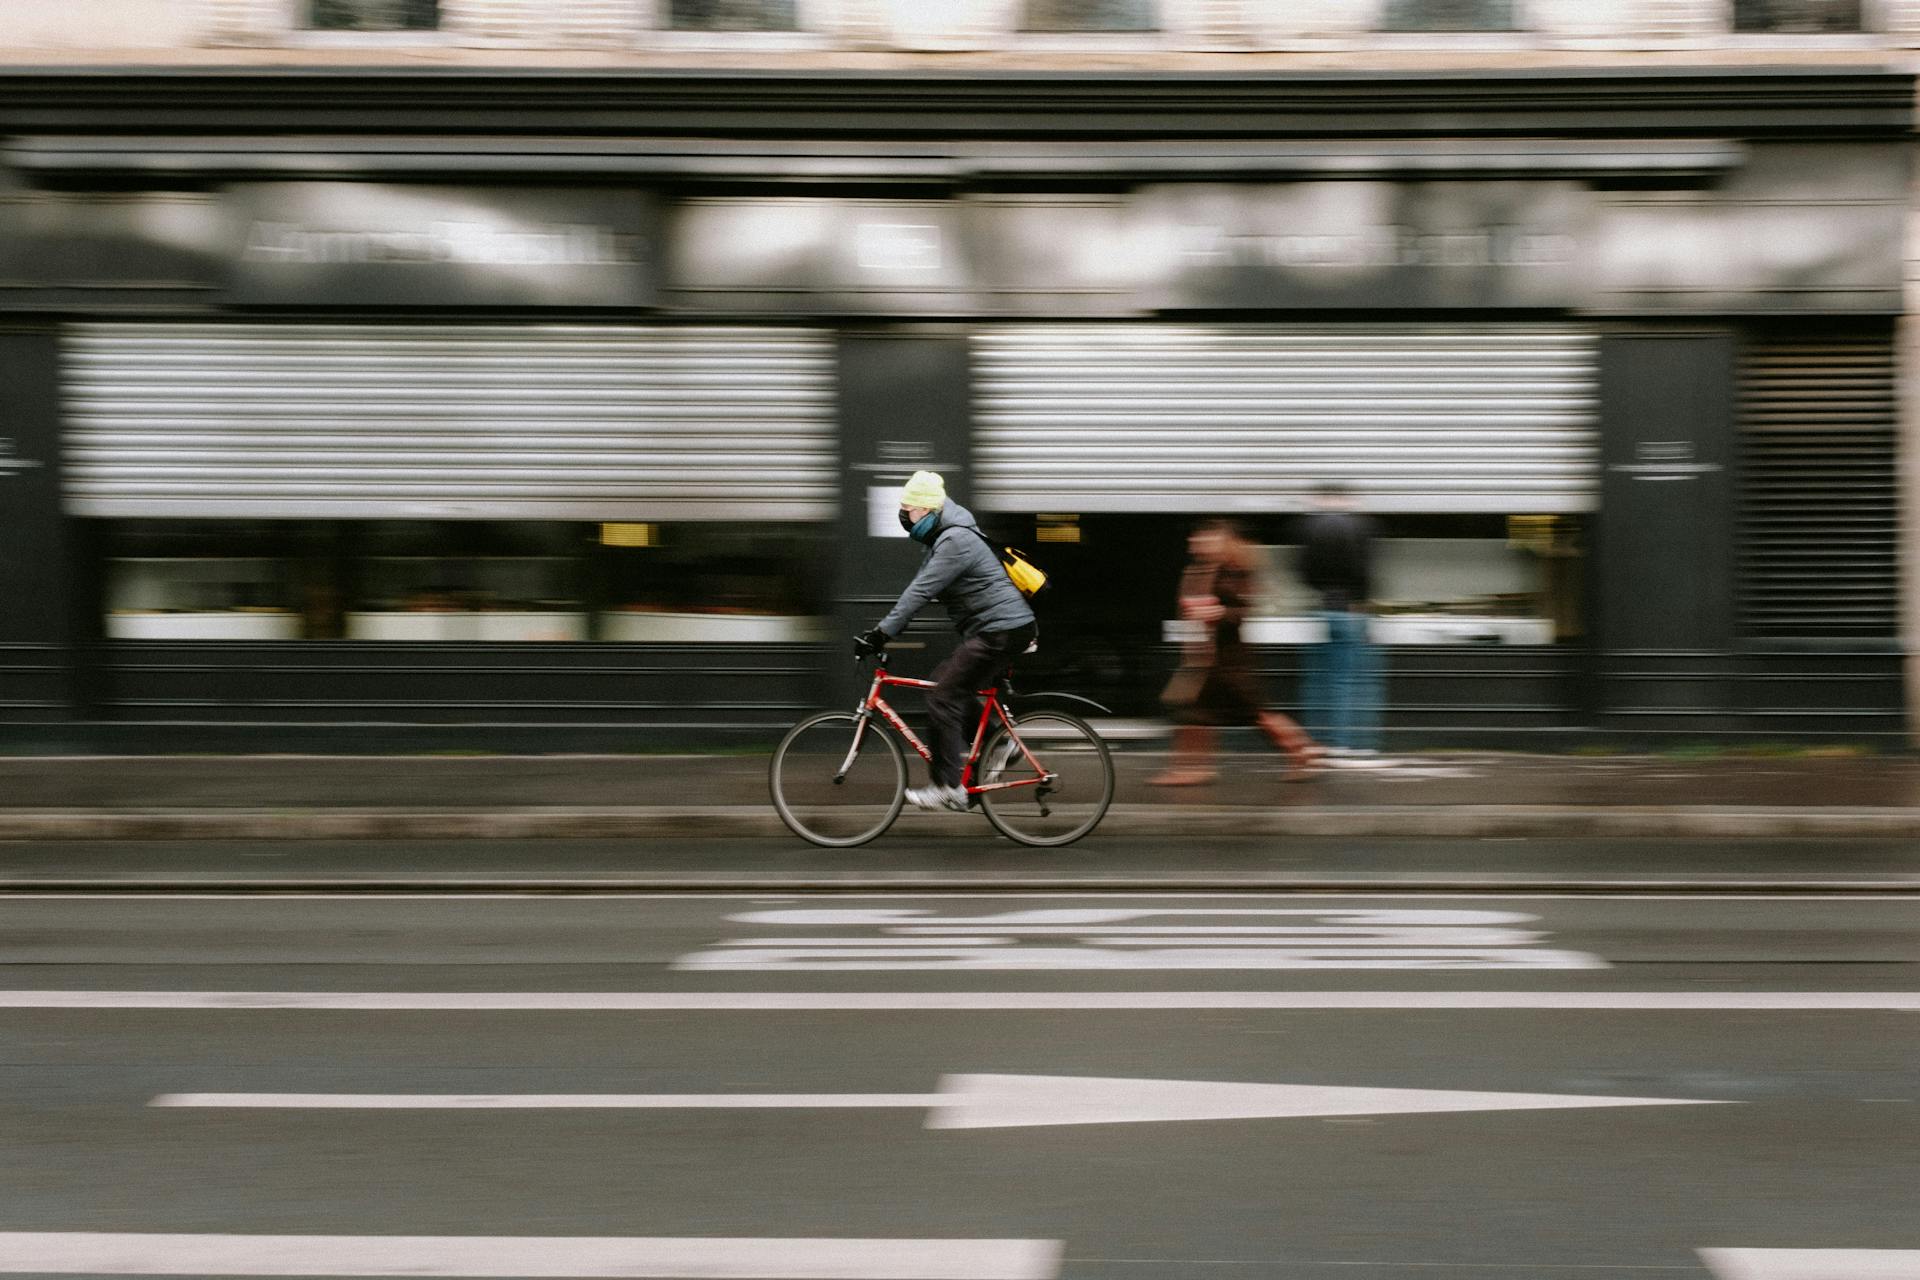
[{"x": 1442, "y": 795}]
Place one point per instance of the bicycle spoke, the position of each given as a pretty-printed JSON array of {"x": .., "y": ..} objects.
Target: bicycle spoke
[
  {"x": 832, "y": 792},
  {"x": 1057, "y": 796}
]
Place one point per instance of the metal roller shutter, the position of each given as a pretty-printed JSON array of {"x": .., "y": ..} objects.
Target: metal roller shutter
[
  {"x": 395, "y": 421},
  {"x": 1216, "y": 418},
  {"x": 1819, "y": 497}
]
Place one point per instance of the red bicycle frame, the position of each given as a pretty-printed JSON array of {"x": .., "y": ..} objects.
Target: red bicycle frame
[{"x": 990, "y": 707}]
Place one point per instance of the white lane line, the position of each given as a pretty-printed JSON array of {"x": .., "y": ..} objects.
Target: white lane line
[
  {"x": 544, "y": 1101},
  {"x": 962, "y": 1001},
  {"x": 716, "y": 1258},
  {"x": 1813, "y": 1264},
  {"x": 1900, "y": 896},
  {"x": 987, "y": 1101}
]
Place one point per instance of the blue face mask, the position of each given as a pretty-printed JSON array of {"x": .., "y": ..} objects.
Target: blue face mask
[{"x": 919, "y": 529}]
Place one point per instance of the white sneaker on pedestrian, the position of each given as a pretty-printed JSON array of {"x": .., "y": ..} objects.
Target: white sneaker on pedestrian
[{"x": 934, "y": 796}]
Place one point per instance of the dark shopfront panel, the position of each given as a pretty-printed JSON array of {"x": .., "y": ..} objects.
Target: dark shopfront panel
[
  {"x": 364, "y": 531},
  {"x": 1749, "y": 537},
  {"x": 38, "y": 615}
]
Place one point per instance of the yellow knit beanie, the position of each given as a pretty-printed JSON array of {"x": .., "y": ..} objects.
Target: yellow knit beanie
[{"x": 924, "y": 489}]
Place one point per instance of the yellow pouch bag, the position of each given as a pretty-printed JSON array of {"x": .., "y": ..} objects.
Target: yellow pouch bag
[{"x": 1029, "y": 577}]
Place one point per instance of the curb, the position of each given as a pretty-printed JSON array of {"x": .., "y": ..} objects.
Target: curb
[{"x": 754, "y": 821}]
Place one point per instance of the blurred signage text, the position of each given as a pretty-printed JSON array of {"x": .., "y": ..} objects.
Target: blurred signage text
[
  {"x": 472, "y": 243},
  {"x": 328, "y": 242},
  {"x": 1370, "y": 244},
  {"x": 898, "y": 246},
  {"x": 1381, "y": 247},
  {"x": 819, "y": 253}
]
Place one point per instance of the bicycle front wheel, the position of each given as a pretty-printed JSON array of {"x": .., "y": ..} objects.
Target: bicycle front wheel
[
  {"x": 1064, "y": 797},
  {"x": 830, "y": 793}
]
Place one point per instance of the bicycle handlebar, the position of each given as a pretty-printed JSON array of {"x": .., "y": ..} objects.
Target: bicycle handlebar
[{"x": 880, "y": 656}]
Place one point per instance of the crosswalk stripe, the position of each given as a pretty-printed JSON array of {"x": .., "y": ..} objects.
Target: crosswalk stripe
[
  {"x": 533, "y": 1257},
  {"x": 1813, "y": 1264}
]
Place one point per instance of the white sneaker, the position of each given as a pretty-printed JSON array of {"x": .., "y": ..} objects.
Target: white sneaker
[{"x": 934, "y": 796}]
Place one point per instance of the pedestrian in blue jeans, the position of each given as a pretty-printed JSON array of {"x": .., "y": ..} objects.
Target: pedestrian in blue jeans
[{"x": 1343, "y": 672}]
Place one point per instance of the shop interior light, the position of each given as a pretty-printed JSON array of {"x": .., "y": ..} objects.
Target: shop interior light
[
  {"x": 629, "y": 535},
  {"x": 1056, "y": 528},
  {"x": 1538, "y": 534}
]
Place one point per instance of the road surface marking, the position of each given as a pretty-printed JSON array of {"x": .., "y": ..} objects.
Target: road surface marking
[
  {"x": 1137, "y": 937},
  {"x": 545, "y": 1101},
  {"x": 988, "y": 1101},
  {"x": 963, "y": 1001},
  {"x": 1333, "y": 918},
  {"x": 1813, "y": 1264},
  {"x": 717, "y": 1258},
  {"x": 1651, "y": 891}
]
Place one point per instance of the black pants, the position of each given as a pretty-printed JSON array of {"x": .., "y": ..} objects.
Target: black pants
[{"x": 952, "y": 708}]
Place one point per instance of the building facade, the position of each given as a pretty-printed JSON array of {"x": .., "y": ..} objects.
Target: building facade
[{"x": 392, "y": 372}]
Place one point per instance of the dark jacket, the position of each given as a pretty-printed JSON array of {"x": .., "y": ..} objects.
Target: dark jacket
[
  {"x": 962, "y": 572},
  {"x": 1336, "y": 558}
]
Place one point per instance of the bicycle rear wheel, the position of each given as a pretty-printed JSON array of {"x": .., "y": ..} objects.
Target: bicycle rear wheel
[
  {"x": 1065, "y": 807},
  {"x": 820, "y": 803}
]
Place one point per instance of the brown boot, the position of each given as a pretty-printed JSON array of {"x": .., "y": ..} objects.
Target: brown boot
[
  {"x": 1303, "y": 755},
  {"x": 1192, "y": 750}
]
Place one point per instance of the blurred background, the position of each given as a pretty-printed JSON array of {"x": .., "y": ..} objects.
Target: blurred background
[{"x": 398, "y": 374}]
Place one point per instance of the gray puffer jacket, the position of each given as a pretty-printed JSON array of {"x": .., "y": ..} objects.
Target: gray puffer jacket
[{"x": 962, "y": 572}]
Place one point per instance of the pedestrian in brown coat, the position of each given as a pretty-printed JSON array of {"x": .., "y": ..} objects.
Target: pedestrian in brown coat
[{"x": 1216, "y": 686}]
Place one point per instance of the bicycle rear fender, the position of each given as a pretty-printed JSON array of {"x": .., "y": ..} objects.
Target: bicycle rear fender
[{"x": 1022, "y": 701}]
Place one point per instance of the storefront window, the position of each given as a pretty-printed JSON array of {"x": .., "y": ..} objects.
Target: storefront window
[
  {"x": 1090, "y": 15},
  {"x": 734, "y": 15},
  {"x": 193, "y": 580},
  {"x": 508, "y": 581},
  {"x": 1797, "y": 17},
  {"x": 468, "y": 580},
  {"x": 1460, "y": 580},
  {"x": 1449, "y": 15},
  {"x": 1437, "y": 580},
  {"x": 675, "y": 582},
  {"x": 374, "y": 15},
  {"x": 1452, "y": 579}
]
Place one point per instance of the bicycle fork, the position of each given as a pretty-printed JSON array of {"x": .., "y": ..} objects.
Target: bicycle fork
[{"x": 853, "y": 751}]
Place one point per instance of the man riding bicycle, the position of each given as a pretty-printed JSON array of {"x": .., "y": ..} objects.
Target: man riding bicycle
[{"x": 996, "y": 625}]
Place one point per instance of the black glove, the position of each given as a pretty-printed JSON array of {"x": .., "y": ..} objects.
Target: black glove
[{"x": 870, "y": 642}]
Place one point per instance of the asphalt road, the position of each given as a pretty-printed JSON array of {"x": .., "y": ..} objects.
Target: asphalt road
[
  {"x": 1202, "y": 860},
  {"x": 900, "y": 1087}
]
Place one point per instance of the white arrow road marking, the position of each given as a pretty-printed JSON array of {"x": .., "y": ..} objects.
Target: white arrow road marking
[
  {"x": 717, "y": 1258},
  {"x": 959, "y": 1001},
  {"x": 1001, "y": 1101},
  {"x": 1813, "y": 1264},
  {"x": 986, "y": 1101}
]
